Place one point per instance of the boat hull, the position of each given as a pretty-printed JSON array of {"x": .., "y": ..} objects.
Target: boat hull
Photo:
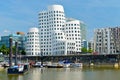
[
  {"x": 39, "y": 66},
  {"x": 17, "y": 70},
  {"x": 14, "y": 71},
  {"x": 54, "y": 66}
]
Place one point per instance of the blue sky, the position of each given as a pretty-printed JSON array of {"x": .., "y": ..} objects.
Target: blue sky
[{"x": 20, "y": 15}]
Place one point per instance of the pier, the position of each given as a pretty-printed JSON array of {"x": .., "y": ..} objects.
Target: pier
[{"x": 81, "y": 57}]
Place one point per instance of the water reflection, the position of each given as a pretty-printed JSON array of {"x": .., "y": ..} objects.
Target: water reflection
[
  {"x": 64, "y": 74},
  {"x": 13, "y": 77},
  {"x": 36, "y": 74}
]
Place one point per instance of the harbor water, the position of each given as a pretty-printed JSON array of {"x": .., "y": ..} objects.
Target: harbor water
[{"x": 64, "y": 74}]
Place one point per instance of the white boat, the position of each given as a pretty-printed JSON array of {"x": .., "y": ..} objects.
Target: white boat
[
  {"x": 38, "y": 64},
  {"x": 54, "y": 65},
  {"x": 76, "y": 65},
  {"x": 65, "y": 64}
]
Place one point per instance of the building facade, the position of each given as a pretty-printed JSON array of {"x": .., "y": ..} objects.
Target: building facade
[
  {"x": 91, "y": 45},
  {"x": 85, "y": 44},
  {"x": 58, "y": 35},
  {"x": 73, "y": 35},
  {"x": 107, "y": 40},
  {"x": 83, "y": 29},
  {"x": 4, "y": 41},
  {"x": 32, "y": 43},
  {"x": 21, "y": 39}
]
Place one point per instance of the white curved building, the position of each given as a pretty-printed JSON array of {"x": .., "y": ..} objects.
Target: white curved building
[
  {"x": 33, "y": 44},
  {"x": 58, "y": 35},
  {"x": 73, "y": 35}
]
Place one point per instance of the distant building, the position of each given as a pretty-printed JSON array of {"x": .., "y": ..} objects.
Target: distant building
[
  {"x": 91, "y": 45},
  {"x": 4, "y": 41},
  {"x": 83, "y": 29},
  {"x": 85, "y": 44},
  {"x": 107, "y": 40},
  {"x": 19, "y": 38},
  {"x": 32, "y": 43}
]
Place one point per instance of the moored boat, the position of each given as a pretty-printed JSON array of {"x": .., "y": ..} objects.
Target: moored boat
[
  {"x": 37, "y": 64},
  {"x": 55, "y": 65},
  {"x": 18, "y": 69},
  {"x": 65, "y": 64},
  {"x": 72, "y": 65}
]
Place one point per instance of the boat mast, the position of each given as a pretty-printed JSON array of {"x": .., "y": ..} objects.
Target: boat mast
[
  {"x": 10, "y": 54},
  {"x": 16, "y": 50}
]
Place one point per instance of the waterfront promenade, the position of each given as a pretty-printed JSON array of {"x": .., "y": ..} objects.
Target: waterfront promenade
[
  {"x": 104, "y": 60},
  {"x": 93, "y": 66}
]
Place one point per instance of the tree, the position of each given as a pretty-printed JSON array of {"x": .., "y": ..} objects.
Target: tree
[
  {"x": 23, "y": 52},
  {"x": 90, "y": 51},
  {"x": 4, "y": 49},
  {"x": 13, "y": 49},
  {"x": 84, "y": 50}
]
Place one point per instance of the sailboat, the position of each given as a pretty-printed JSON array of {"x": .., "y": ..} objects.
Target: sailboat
[
  {"x": 21, "y": 69},
  {"x": 17, "y": 68}
]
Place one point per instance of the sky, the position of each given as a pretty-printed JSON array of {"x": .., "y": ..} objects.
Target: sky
[{"x": 20, "y": 15}]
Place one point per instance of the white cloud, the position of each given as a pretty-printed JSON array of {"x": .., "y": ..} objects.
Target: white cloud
[{"x": 6, "y": 31}]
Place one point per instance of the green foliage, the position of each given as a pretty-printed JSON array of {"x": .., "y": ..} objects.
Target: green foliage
[
  {"x": 90, "y": 51},
  {"x": 23, "y": 52},
  {"x": 13, "y": 49},
  {"x": 4, "y": 49},
  {"x": 84, "y": 50}
]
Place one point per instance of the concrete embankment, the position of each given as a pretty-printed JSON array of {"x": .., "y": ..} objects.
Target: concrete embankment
[{"x": 102, "y": 65}]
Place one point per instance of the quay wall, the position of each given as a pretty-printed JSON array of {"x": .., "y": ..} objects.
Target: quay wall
[{"x": 88, "y": 60}]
